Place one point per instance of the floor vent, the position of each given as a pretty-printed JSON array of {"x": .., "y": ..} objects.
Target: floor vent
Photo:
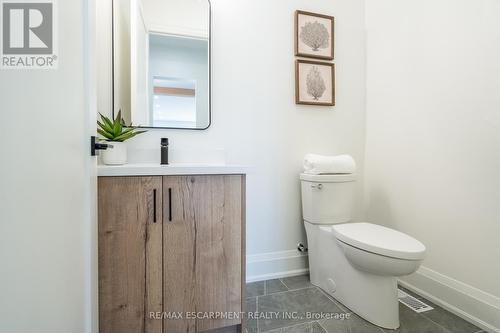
[{"x": 413, "y": 303}]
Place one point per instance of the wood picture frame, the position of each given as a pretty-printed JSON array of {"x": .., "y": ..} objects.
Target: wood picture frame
[
  {"x": 314, "y": 83},
  {"x": 314, "y": 35}
]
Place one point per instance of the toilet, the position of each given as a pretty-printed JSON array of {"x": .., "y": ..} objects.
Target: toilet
[{"x": 357, "y": 263}]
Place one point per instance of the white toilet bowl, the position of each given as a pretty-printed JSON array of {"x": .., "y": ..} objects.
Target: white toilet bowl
[
  {"x": 364, "y": 281},
  {"x": 379, "y": 250},
  {"x": 379, "y": 264},
  {"x": 357, "y": 263}
]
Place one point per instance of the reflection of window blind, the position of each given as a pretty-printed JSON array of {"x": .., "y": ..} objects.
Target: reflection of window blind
[{"x": 174, "y": 91}]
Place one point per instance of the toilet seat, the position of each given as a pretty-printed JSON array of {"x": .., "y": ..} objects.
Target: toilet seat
[{"x": 380, "y": 240}]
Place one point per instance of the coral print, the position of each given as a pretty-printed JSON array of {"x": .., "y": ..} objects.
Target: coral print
[
  {"x": 315, "y": 83},
  {"x": 314, "y": 35}
]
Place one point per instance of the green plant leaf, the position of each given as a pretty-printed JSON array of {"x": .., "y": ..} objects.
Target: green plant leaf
[
  {"x": 137, "y": 133},
  {"x": 105, "y": 127},
  {"x": 106, "y": 121},
  {"x": 130, "y": 134},
  {"x": 105, "y": 134},
  {"x": 116, "y": 129},
  {"x": 126, "y": 136},
  {"x": 117, "y": 126},
  {"x": 124, "y": 133}
]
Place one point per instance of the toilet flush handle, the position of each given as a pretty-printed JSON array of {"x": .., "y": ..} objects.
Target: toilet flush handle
[{"x": 318, "y": 186}]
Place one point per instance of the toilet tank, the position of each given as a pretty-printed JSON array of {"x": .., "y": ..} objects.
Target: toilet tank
[{"x": 327, "y": 199}]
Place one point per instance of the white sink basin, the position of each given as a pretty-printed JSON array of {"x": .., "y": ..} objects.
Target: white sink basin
[{"x": 150, "y": 169}]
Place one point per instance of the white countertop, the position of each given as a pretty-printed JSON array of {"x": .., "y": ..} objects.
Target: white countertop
[{"x": 149, "y": 169}]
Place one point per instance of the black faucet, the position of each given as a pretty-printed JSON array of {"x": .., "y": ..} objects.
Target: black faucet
[{"x": 164, "y": 151}]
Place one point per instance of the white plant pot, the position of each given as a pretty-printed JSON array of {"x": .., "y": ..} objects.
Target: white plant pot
[{"x": 115, "y": 155}]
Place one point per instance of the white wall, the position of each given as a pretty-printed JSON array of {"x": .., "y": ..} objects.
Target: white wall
[
  {"x": 44, "y": 189},
  {"x": 177, "y": 17},
  {"x": 255, "y": 118},
  {"x": 433, "y": 138}
]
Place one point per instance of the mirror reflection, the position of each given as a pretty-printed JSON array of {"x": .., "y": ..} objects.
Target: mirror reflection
[{"x": 162, "y": 62}]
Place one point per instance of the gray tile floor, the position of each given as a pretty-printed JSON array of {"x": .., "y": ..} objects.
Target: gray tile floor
[{"x": 285, "y": 306}]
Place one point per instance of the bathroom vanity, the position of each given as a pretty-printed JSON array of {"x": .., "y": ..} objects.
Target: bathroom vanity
[{"x": 171, "y": 248}]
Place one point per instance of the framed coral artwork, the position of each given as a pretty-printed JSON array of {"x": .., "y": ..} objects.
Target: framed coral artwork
[
  {"x": 314, "y": 35},
  {"x": 314, "y": 83}
]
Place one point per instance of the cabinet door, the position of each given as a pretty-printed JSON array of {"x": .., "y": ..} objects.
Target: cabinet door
[
  {"x": 202, "y": 244},
  {"x": 130, "y": 254}
]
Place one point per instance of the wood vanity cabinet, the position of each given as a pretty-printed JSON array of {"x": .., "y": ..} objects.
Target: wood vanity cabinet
[{"x": 171, "y": 246}]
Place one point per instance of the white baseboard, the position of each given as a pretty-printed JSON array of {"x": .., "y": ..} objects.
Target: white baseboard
[
  {"x": 474, "y": 305},
  {"x": 275, "y": 265}
]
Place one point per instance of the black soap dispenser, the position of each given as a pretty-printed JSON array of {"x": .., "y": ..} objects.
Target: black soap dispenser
[{"x": 164, "y": 151}]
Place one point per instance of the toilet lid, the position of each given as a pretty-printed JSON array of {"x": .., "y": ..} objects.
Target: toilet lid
[{"x": 380, "y": 240}]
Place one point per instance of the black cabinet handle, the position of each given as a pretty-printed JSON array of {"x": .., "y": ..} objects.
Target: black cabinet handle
[
  {"x": 170, "y": 204},
  {"x": 154, "y": 206}
]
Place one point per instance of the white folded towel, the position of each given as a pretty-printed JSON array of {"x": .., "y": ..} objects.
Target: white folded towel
[{"x": 320, "y": 164}]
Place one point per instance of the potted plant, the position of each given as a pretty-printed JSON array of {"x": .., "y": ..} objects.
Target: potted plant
[{"x": 116, "y": 132}]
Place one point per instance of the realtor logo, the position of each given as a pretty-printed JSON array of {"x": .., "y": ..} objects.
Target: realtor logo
[{"x": 28, "y": 34}]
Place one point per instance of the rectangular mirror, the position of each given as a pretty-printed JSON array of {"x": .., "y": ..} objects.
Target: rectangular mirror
[{"x": 161, "y": 63}]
